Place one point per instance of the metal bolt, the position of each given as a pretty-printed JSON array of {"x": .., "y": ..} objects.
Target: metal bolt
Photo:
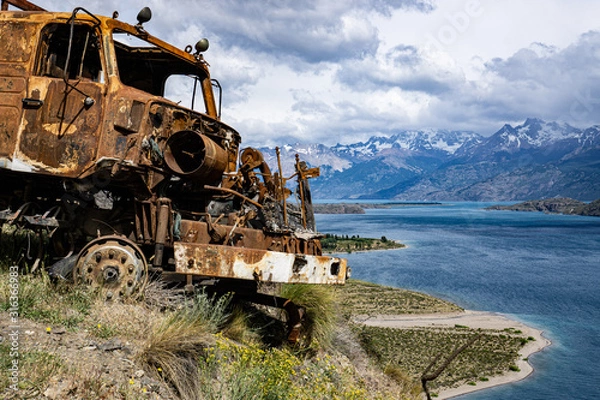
[{"x": 110, "y": 274}]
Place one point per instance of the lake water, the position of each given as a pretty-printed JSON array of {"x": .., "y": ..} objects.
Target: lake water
[{"x": 543, "y": 270}]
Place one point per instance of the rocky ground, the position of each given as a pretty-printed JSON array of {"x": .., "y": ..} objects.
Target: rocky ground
[{"x": 59, "y": 363}]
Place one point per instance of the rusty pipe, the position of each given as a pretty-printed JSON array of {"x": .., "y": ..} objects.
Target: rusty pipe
[
  {"x": 194, "y": 156},
  {"x": 162, "y": 230}
]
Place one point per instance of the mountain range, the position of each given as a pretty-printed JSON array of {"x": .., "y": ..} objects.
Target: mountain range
[{"x": 535, "y": 160}]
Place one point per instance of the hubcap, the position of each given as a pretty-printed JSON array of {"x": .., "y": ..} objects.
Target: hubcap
[{"x": 113, "y": 265}]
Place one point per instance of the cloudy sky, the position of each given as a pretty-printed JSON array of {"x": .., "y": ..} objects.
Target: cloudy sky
[{"x": 326, "y": 71}]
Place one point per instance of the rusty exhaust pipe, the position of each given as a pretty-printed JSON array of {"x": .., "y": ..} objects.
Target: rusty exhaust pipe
[{"x": 194, "y": 156}]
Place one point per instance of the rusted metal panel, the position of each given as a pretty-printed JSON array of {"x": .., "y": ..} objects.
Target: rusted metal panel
[
  {"x": 202, "y": 232},
  {"x": 260, "y": 265},
  {"x": 129, "y": 114},
  {"x": 15, "y": 56},
  {"x": 16, "y": 41},
  {"x": 61, "y": 135},
  {"x": 22, "y": 4}
]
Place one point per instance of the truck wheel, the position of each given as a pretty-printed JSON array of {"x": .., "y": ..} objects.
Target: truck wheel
[{"x": 113, "y": 265}]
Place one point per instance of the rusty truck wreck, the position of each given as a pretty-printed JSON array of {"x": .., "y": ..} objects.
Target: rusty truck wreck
[{"x": 129, "y": 183}]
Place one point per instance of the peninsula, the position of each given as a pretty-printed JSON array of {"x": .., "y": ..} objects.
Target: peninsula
[
  {"x": 344, "y": 244},
  {"x": 359, "y": 208}
]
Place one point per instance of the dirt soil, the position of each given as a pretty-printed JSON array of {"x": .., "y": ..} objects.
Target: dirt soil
[{"x": 93, "y": 368}]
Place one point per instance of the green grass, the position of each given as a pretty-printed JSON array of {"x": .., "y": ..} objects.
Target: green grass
[
  {"x": 35, "y": 368},
  {"x": 43, "y": 301},
  {"x": 174, "y": 344},
  {"x": 364, "y": 298}
]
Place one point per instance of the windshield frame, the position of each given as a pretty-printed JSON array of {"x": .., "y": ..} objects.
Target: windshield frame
[{"x": 165, "y": 60}]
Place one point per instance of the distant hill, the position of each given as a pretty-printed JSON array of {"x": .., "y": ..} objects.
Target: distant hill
[
  {"x": 555, "y": 206},
  {"x": 537, "y": 159}
]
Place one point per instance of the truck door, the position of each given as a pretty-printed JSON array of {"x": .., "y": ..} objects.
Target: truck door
[{"x": 62, "y": 109}]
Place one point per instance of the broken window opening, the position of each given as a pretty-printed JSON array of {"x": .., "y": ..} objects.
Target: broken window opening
[
  {"x": 151, "y": 69},
  {"x": 85, "y": 61}
]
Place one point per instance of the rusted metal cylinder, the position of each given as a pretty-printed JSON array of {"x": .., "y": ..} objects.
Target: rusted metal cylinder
[
  {"x": 162, "y": 231},
  {"x": 194, "y": 156}
]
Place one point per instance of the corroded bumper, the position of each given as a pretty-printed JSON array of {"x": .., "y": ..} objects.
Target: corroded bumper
[{"x": 260, "y": 265}]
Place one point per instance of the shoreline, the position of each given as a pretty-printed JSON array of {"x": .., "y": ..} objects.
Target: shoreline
[{"x": 475, "y": 320}]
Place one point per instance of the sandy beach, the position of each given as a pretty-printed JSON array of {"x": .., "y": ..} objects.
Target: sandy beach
[{"x": 472, "y": 319}]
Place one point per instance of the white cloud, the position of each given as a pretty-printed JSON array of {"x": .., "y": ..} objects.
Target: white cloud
[{"x": 323, "y": 71}]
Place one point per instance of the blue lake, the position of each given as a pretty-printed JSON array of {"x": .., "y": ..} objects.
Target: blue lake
[{"x": 540, "y": 269}]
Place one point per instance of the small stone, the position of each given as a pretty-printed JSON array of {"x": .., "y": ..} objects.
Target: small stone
[
  {"x": 59, "y": 390},
  {"x": 111, "y": 345},
  {"x": 89, "y": 345},
  {"x": 139, "y": 373},
  {"x": 59, "y": 331},
  {"x": 150, "y": 384}
]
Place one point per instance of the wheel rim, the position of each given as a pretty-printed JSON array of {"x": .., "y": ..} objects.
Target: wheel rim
[{"x": 113, "y": 265}]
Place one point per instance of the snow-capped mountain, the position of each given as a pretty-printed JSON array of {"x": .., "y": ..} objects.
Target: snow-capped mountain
[
  {"x": 313, "y": 154},
  {"x": 443, "y": 141},
  {"x": 532, "y": 160},
  {"x": 534, "y": 136},
  {"x": 536, "y": 133}
]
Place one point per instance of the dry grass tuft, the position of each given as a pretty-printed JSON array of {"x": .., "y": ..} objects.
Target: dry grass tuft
[
  {"x": 158, "y": 295},
  {"x": 174, "y": 345},
  {"x": 320, "y": 319},
  {"x": 238, "y": 327}
]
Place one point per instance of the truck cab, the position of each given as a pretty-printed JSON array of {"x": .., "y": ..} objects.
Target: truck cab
[{"x": 80, "y": 89}]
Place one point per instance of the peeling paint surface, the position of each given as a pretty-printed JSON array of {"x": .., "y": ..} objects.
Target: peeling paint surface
[{"x": 259, "y": 265}]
